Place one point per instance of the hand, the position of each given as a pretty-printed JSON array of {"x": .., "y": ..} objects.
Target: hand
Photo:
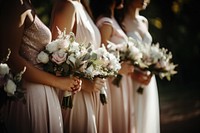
[
  {"x": 72, "y": 84},
  {"x": 126, "y": 68},
  {"x": 99, "y": 83},
  {"x": 142, "y": 77},
  {"x": 93, "y": 86},
  {"x": 76, "y": 88}
]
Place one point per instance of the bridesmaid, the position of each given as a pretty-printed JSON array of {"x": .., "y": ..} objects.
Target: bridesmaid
[
  {"x": 122, "y": 113},
  {"x": 87, "y": 114},
  {"x": 146, "y": 104},
  {"x": 24, "y": 33}
]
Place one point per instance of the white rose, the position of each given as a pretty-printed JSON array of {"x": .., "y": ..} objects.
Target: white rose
[
  {"x": 74, "y": 47},
  {"x": 122, "y": 47},
  {"x": 53, "y": 46},
  {"x": 112, "y": 47},
  {"x": 135, "y": 53},
  {"x": 4, "y": 69},
  {"x": 114, "y": 63},
  {"x": 63, "y": 44},
  {"x": 43, "y": 57},
  {"x": 10, "y": 87}
]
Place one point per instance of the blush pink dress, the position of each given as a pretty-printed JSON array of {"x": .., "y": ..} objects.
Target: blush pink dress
[
  {"x": 121, "y": 100},
  {"x": 87, "y": 115},
  {"x": 41, "y": 113},
  {"x": 146, "y": 105}
]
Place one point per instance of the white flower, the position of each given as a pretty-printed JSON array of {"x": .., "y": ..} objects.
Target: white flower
[
  {"x": 161, "y": 64},
  {"x": 63, "y": 44},
  {"x": 135, "y": 53},
  {"x": 10, "y": 87},
  {"x": 4, "y": 69},
  {"x": 90, "y": 71},
  {"x": 111, "y": 46},
  {"x": 114, "y": 63},
  {"x": 53, "y": 46},
  {"x": 74, "y": 47},
  {"x": 43, "y": 57}
]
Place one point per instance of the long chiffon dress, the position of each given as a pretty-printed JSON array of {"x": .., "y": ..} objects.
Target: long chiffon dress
[
  {"x": 121, "y": 100},
  {"x": 41, "y": 113},
  {"x": 87, "y": 115},
  {"x": 146, "y": 105}
]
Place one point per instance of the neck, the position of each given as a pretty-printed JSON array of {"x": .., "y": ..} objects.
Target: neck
[
  {"x": 133, "y": 13},
  {"x": 112, "y": 8}
]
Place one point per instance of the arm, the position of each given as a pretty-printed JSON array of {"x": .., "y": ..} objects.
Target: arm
[
  {"x": 143, "y": 77},
  {"x": 106, "y": 33},
  {"x": 15, "y": 18},
  {"x": 63, "y": 16}
]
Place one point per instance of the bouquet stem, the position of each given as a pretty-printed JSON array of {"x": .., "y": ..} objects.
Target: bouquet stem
[
  {"x": 67, "y": 100},
  {"x": 117, "y": 80},
  {"x": 103, "y": 96},
  {"x": 140, "y": 90}
]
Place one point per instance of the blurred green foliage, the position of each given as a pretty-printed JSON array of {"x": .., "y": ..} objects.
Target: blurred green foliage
[{"x": 172, "y": 23}]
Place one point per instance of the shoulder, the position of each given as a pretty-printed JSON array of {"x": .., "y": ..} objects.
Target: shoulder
[
  {"x": 143, "y": 19},
  {"x": 104, "y": 21},
  {"x": 65, "y": 6}
]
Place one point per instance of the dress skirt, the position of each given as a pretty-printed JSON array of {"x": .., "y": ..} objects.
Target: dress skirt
[
  {"x": 122, "y": 111},
  {"x": 40, "y": 114},
  {"x": 147, "y": 108},
  {"x": 87, "y": 115}
]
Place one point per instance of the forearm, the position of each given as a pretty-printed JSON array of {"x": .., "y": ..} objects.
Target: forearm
[
  {"x": 32, "y": 73},
  {"x": 87, "y": 85}
]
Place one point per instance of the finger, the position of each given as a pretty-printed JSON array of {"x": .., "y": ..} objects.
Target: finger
[
  {"x": 98, "y": 87},
  {"x": 100, "y": 81},
  {"x": 77, "y": 89}
]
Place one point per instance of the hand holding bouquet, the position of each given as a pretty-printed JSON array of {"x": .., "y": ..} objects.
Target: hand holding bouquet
[
  {"x": 102, "y": 64},
  {"x": 65, "y": 57},
  {"x": 155, "y": 60},
  {"x": 127, "y": 52},
  {"x": 10, "y": 84}
]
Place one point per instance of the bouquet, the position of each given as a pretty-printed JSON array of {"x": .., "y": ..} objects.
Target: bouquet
[
  {"x": 126, "y": 51},
  {"x": 156, "y": 60},
  {"x": 102, "y": 64},
  {"x": 10, "y": 84},
  {"x": 65, "y": 57}
]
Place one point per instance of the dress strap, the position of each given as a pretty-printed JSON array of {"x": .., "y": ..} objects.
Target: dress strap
[{"x": 104, "y": 20}]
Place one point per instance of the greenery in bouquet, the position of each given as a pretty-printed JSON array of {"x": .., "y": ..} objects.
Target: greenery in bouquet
[
  {"x": 156, "y": 59},
  {"x": 65, "y": 57},
  {"x": 10, "y": 84},
  {"x": 102, "y": 64},
  {"x": 126, "y": 51}
]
